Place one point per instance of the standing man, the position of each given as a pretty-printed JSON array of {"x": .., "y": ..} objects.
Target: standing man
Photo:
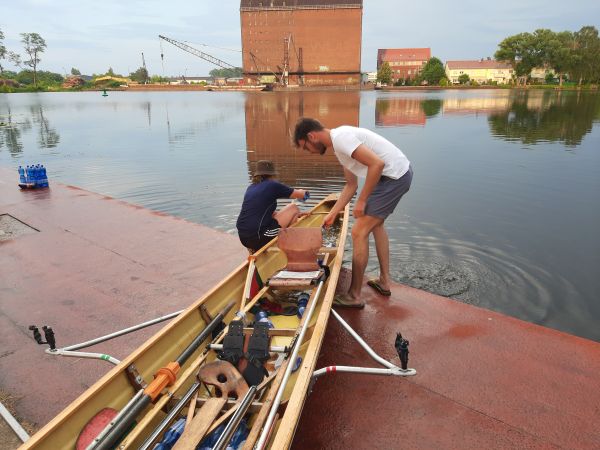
[{"x": 387, "y": 175}]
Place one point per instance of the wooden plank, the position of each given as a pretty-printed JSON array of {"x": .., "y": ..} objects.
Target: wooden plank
[{"x": 193, "y": 434}]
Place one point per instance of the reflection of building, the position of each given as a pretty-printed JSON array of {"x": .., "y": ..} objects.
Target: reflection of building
[
  {"x": 305, "y": 42},
  {"x": 481, "y": 71},
  {"x": 404, "y": 62},
  {"x": 474, "y": 105},
  {"x": 390, "y": 112},
  {"x": 270, "y": 122}
]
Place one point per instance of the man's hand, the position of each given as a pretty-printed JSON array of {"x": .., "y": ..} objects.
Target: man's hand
[
  {"x": 329, "y": 219},
  {"x": 359, "y": 208}
]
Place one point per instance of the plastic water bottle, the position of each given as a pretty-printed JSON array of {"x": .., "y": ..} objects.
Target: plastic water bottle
[
  {"x": 43, "y": 176},
  {"x": 22, "y": 179},
  {"x": 302, "y": 302},
  {"x": 171, "y": 436},
  {"x": 36, "y": 175},
  {"x": 262, "y": 316}
]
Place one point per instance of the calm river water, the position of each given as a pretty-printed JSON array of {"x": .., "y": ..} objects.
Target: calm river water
[{"x": 504, "y": 211}]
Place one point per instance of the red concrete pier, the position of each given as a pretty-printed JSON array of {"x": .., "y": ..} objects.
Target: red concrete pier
[{"x": 91, "y": 265}]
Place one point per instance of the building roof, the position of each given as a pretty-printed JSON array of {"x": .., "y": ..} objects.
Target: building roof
[
  {"x": 403, "y": 54},
  {"x": 298, "y": 4},
  {"x": 478, "y": 64}
]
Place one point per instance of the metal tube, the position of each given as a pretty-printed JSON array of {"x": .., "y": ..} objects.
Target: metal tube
[
  {"x": 12, "y": 422},
  {"x": 122, "y": 332},
  {"x": 102, "y": 356},
  {"x": 229, "y": 430},
  {"x": 203, "y": 335},
  {"x": 274, "y": 349},
  {"x": 362, "y": 343},
  {"x": 288, "y": 370},
  {"x": 118, "y": 428},
  {"x": 121, "y": 413},
  {"x": 167, "y": 420},
  {"x": 366, "y": 370}
]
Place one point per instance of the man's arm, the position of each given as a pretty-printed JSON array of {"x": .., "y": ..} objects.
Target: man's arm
[
  {"x": 345, "y": 196},
  {"x": 375, "y": 165}
]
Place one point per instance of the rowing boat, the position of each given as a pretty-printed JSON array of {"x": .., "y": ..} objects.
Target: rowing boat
[{"x": 160, "y": 382}]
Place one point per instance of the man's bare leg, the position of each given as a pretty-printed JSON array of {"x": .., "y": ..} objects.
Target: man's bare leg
[
  {"x": 382, "y": 247},
  {"x": 360, "y": 252}
]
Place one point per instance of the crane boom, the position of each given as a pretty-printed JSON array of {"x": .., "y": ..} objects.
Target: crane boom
[{"x": 198, "y": 53}]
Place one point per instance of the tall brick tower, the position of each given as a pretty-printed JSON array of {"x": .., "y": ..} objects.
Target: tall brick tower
[{"x": 302, "y": 42}]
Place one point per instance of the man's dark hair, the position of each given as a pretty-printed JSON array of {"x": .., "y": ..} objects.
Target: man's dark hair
[{"x": 304, "y": 126}]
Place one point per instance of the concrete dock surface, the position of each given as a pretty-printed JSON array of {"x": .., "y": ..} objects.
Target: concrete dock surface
[{"x": 88, "y": 265}]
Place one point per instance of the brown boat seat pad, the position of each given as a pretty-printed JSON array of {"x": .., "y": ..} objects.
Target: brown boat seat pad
[{"x": 301, "y": 246}]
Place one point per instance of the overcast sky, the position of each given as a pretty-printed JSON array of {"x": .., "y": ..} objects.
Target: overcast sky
[{"x": 95, "y": 35}]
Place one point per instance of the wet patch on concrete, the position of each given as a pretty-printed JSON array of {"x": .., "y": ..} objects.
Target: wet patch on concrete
[
  {"x": 441, "y": 279},
  {"x": 11, "y": 227}
]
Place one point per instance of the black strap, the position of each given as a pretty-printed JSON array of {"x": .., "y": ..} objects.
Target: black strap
[
  {"x": 257, "y": 354},
  {"x": 233, "y": 343}
]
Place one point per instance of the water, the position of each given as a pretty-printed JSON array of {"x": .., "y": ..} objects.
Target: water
[{"x": 503, "y": 212}]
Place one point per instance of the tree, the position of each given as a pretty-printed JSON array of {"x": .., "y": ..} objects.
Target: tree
[
  {"x": 463, "y": 79},
  {"x": 384, "y": 74},
  {"x": 2, "y": 51},
  {"x": 74, "y": 71},
  {"x": 140, "y": 75},
  {"x": 560, "y": 55},
  {"x": 433, "y": 71},
  {"x": 34, "y": 44},
  {"x": 519, "y": 51},
  {"x": 226, "y": 73},
  {"x": 587, "y": 54}
]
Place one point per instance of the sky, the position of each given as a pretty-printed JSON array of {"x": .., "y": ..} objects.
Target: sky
[{"x": 95, "y": 35}]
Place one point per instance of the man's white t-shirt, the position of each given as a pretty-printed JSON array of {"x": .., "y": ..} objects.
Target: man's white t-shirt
[{"x": 346, "y": 139}]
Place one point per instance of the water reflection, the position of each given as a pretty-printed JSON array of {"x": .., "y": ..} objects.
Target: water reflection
[
  {"x": 551, "y": 117},
  {"x": 10, "y": 133},
  {"x": 527, "y": 116},
  {"x": 48, "y": 137},
  {"x": 270, "y": 121}
]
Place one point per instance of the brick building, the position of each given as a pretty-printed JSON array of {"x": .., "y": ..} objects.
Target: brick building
[
  {"x": 302, "y": 42},
  {"x": 405, "y": 63}
]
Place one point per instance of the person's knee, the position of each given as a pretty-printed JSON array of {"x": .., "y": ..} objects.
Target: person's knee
[{"x": 359, "y": 232}]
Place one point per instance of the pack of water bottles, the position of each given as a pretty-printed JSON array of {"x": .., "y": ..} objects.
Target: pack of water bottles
[{"x": 33, "y": 177}]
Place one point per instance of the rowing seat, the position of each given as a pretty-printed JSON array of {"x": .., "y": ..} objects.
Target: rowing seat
[{"x": 301, "y": 247}]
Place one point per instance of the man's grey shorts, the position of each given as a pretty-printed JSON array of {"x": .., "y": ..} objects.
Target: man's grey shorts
[{"x": 387, "y": 194}]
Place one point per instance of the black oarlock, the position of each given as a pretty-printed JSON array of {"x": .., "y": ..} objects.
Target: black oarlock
[
  {"x": 36, "y": 334},
  {"x": 402, "y": 349},
  {"x": 49, "y": 335}
]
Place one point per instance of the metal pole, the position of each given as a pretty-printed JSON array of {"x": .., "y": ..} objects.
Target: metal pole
[
  {"x": 167, "y": 420},
  {"x": 365, "y": 370},
  {"x": 102, "y": 356},
  {"x": 227, "y": 434},
  {"x": 362, "y": 343},
  {"x": 12, "y": 422},
  {"x": 122, "y": 332},
  {"x": 288, "y": 370}
]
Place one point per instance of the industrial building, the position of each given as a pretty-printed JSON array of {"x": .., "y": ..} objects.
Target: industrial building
[
  {"x": 301, "y": 42},
  {"x": 405, "y": 63}
]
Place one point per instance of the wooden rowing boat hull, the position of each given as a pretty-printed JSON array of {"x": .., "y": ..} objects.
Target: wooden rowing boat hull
[{"x": 114, "y": 389}]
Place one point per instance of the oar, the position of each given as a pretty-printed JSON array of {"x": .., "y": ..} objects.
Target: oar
[{"x": 165, "y": 376}]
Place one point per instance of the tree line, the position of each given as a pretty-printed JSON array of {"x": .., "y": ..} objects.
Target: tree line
[
  {"x": 575, "y": 55},
  {"x": 570, "y": 55}
]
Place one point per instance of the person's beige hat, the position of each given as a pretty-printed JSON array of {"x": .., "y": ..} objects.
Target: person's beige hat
[{"x": 265, "y": 167}]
